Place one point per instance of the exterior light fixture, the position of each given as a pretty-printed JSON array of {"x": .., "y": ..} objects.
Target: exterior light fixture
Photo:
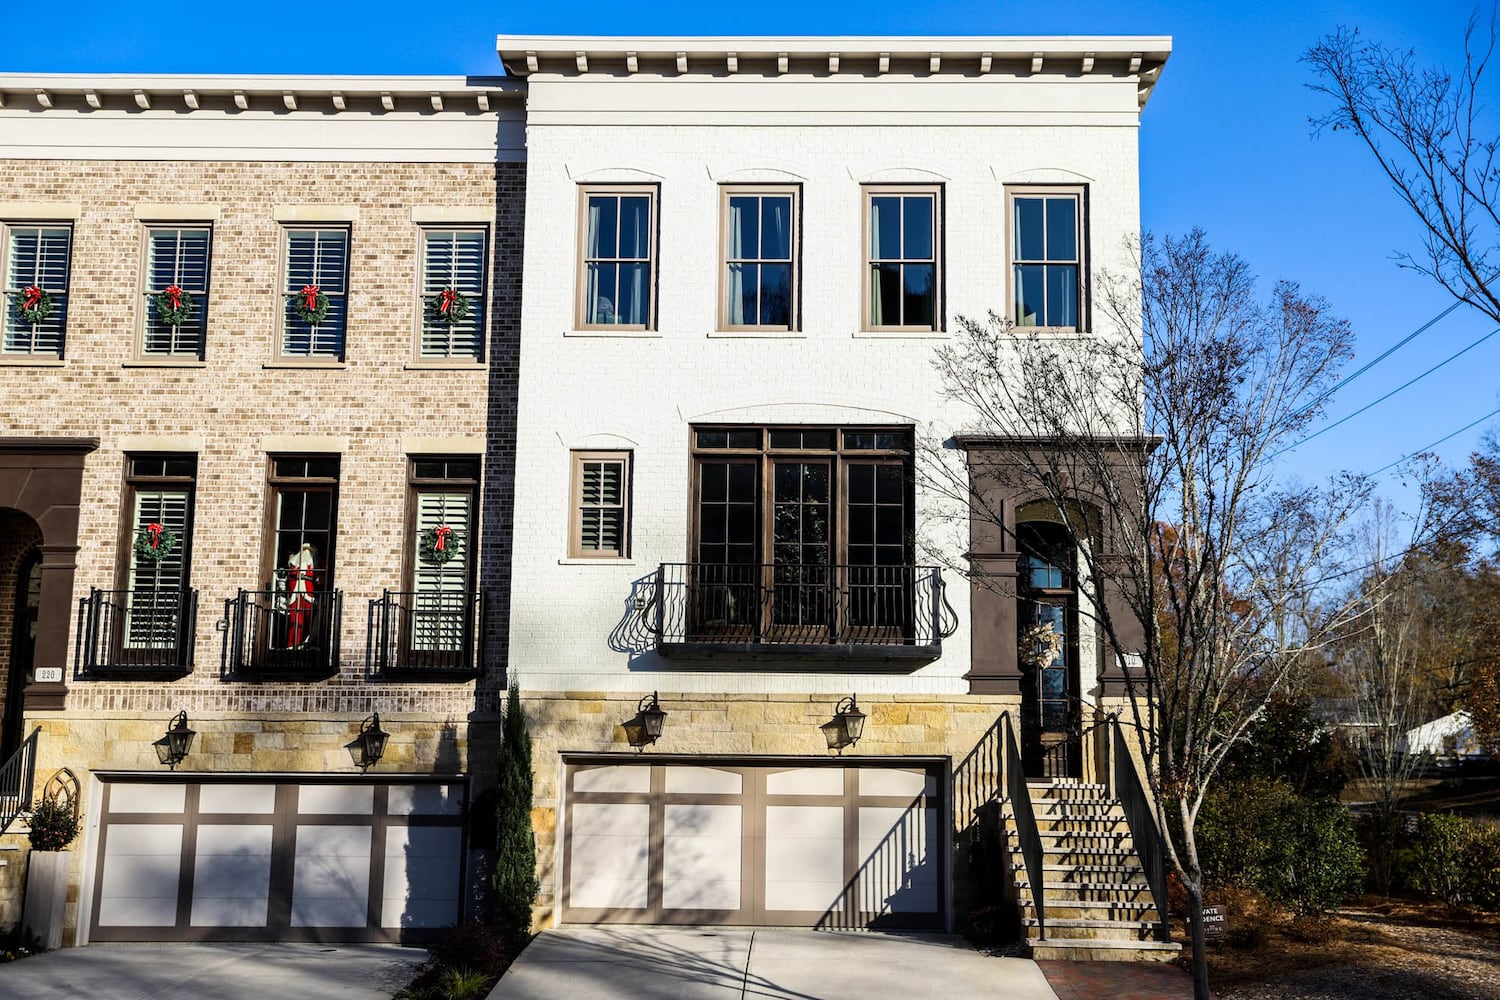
[
  {"x": 174, "y": 746},
  {"x": 645, "y": 728},
  {"x": 369, "y": 746},
  {"x": 846, "y": 726}
]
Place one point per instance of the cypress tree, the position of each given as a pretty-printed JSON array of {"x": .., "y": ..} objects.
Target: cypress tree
[{"x": 516, "y": 885}]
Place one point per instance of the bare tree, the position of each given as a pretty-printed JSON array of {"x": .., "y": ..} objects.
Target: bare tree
[
  {"x": 1427, "y": 128},
  {"x": 1150, "y": 440}
]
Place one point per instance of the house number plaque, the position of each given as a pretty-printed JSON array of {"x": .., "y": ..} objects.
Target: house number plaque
[{"x": 49, "y": 675}]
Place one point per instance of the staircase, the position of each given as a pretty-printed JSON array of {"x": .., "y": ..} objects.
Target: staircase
[{"x": 1095, "y": 900}]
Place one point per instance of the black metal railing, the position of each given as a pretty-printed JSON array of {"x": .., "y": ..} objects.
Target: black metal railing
[
  {"x": 1141, "y": 818},
  {"x": 17, "y": 776},
  {"x": 427, "y": 632},
  {"x": 1026, "y": 829},
  {"x": 144, "y": 632},
  {"x": 799, "y": 604},
  {"x": 275, "y": 633}
]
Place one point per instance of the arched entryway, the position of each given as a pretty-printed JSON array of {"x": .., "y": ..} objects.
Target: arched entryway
[{"x": 17, "y": 629}]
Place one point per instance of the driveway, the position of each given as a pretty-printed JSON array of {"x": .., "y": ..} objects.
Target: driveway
[
  {"x": 599, "y": 963},
  {"x": 220, "y": 971}
]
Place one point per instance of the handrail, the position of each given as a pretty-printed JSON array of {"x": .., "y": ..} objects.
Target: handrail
[
  {"x": 1026, "y": 829},
  {"x": 1142, "y": 821},
  {"x": 427, "y": 631},
  {"x": 16, "y": 778}
]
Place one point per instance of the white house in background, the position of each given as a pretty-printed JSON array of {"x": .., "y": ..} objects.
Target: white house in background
[
  {"x": 1451, "y": 737},
  {"x": 741, "y": 255}
]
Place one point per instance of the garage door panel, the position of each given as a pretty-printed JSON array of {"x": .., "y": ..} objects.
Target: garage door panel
[
  {"x": 257, "y": 799},
  {"x": 610, "y": 856},
  {"x": 143, "y": 861},
  {"x": 138, "y": 911},
  {"x": 147, "y": 798},
  {"x": 354, "y": 800},
  {"x": 897, "y": 849},
  {"x": 331, "y": 878},
  {"x": 232, "y": 876},
  {"x": 425, "y": 800},
  {"x": 701, "y": 857}
]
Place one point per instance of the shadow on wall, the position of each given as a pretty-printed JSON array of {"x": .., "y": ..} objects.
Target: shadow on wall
[
  {"x": 634, "y": 633},
  {"x": 896, "y": 885}
]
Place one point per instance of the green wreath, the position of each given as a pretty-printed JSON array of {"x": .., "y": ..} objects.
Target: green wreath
[
  {"x": 319, "y": 311},
  {"x": 174, "y": 315},
  {"x": 440, "y": 544},
  {"x": 156, "y": 544},
  {"x": 34, "y": 304},
  {"x": 450, "y": 306}
]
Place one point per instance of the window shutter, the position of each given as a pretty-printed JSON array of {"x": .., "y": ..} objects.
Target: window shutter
[
  {"x": 602, "y": 507},
  {"x": 441, "y": 588},
  {"x": 316, "y": 257},
  {"x": 39, "y": 257},
  {"x": 177, "y": 257},
  {"x": 453, "y": 259},
  {"x": 155, "y": 586}
]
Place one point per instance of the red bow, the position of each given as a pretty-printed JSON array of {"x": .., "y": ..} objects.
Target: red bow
[
  {"x": 310, "y": 293},
  {"x": 174, "y": 294},
  {"x": 445, "y": 300},
  {"x": 31, "y": 297},
  {"x": 154, "y": 530},
  {"x": 442, "y": 533}
]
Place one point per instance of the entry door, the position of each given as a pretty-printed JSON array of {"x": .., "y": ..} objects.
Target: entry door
[
  {"x": 22, "y": 646},
  {"x": 801, "y": 586}
]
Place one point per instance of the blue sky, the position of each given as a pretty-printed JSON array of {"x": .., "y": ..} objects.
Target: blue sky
[{"x": 1225, "y": 141}]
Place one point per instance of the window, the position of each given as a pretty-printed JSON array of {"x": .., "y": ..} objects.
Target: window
[
  {"x": 158, "y": 548},
  {"x": 452, "y": 260},
  {"x": 601, "y": 505},
  {"x": 759, "y": 283},
  {"x": 903, "y": 275},
  {"x": 317, "y": 275},
  {"x": 616, "y": 273},
  {"x": 304, "y": 510},
  {"x": 1046, "y": 246},
  {"x": 36, "y": 289},
  {"x": 442, "y": 551},
  {"x": 176, "y": 257}
]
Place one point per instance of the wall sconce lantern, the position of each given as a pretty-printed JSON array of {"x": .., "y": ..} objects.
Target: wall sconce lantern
[
  {"x": 174, "y": 746},
  {"x": 369, "y": 746},
  {"x": 846, "y": 726},
  {"x": 645, "y": 728}
]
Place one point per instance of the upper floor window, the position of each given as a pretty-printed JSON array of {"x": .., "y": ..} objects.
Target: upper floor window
[
  {"x": 903, "y": 264},
  {"x": 616, "y": 279},
  {"x": 758, "y": 286},
  {"x": 315, "y": 289},
  {"x": 453, "y": 284},
  {"x": 176, "y": 291},
  {"x": 36, "y": 266},
  {"x": 1046, "y": 246}
]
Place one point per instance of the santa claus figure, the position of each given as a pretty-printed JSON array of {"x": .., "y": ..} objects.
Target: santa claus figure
[{"x": 300, "y": 578}]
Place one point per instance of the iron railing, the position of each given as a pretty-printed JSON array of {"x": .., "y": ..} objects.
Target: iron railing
[
  {"x": 273, "y": 633},
  {"x": 754, "y": 604},
  {"x": 1026, "y": 828},
  {"x": 427, "y": 632},
  {"x": 1142, "y": 821},
  {"x": 16, "y": 778},
  {"x": 145, "y": 632}
]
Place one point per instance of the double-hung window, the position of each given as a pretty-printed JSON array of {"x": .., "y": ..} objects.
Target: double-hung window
[
  {"x": 176, "y": 291},
  {"x": 903, "y": 259},
  {"x": 442, "y": 551},
  {"x": 36, "y": 269},
  {"x": 617, "y": 267},
  {"x": 600, "y": 527},
  {"x": 158, "y": 551},
  {"x": 1046, "y": 248},
  {"x": 315, "y": 293},
  {"x": 758, "y": 287},
  {"x": 453, "y": 283}
]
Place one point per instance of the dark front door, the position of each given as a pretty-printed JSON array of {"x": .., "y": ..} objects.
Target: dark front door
[
  {"x": 22, "y": 644},
  {"x": 1051, "y": 720}
]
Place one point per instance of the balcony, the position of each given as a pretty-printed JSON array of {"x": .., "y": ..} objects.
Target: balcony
[
  {"x": 147, "y": 634},
  {"x": 276, "y": 635},
  {"x": 427, "y": 634},
  {"x": 896, "y": 615}
]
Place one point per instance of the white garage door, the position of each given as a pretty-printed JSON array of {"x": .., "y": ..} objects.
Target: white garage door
[
  {"x": 803, "y": 843},
  {"x": 281, "y": 859}
]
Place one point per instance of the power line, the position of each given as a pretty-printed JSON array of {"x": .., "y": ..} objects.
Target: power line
[{"x": 1446, "y": 437}]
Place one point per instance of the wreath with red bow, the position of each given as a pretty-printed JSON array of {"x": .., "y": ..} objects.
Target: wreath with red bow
[
  {"x": 155, "y": 542},
  {"x": 174, "y": 305},
  {"x": 311, "y": 305},
  {"x": 450, "y": 306},
  {"x": 440, "y": 544},
  {"x": 34, "y": 304}
]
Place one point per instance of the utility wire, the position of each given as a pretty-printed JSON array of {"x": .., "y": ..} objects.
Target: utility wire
[
  {"x": 1405, "y": 385},
  {"x": 1446, "y": 437}
]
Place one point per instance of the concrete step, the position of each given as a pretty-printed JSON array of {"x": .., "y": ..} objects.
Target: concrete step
[
  {"x": 1073, "y": 909},
  {"x": 1083, "y": 950},
  {"x": 1091, "y": 927}
]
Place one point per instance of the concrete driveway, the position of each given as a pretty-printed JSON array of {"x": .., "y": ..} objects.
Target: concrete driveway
[
  {"x": 598, "y": 963},
  {"x": 219, "y": 971}
]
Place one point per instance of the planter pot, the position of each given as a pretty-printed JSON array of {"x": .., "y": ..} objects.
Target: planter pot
[{"x": 46, "y": 896}]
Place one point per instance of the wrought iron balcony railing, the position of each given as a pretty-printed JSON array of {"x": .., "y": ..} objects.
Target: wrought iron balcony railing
[
  {"x": 273, "y": 633},
  {"x": 818, "y": 610},
  {"x": 427, "y": 633},
  {"x": 141, "y": 633}
]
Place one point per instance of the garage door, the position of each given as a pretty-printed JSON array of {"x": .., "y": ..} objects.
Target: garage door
[
  {"x": 801, "y": 843},
  {"x": 283, "y": 859}
]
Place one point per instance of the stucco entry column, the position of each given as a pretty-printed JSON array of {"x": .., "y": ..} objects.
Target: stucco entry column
[{"x": 43, "y": 477}]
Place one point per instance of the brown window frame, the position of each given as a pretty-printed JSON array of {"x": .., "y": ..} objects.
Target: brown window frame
[
  {"x": 653, "y": 261},
  {"x": 415, "y": 486},
  {"x": 275, "y": 484},
  {"x": 1079, "y": 193},
  {"x": 794, "y": 313},
  {"x": 576, "y": 505},
  {"x": 867, "y": 192}
]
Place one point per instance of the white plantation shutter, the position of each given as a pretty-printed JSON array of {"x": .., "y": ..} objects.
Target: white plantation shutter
[
  {"x": 316, "y": 257},
  {"x": 601, "y": 514},
  {"x": 37, "y": 256},
  {"x": 177, "y": 257},
  {"x": 442, "y": 588},
  {"x": 453, "y": 258},
  {"x": 154, "y": 602}
]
